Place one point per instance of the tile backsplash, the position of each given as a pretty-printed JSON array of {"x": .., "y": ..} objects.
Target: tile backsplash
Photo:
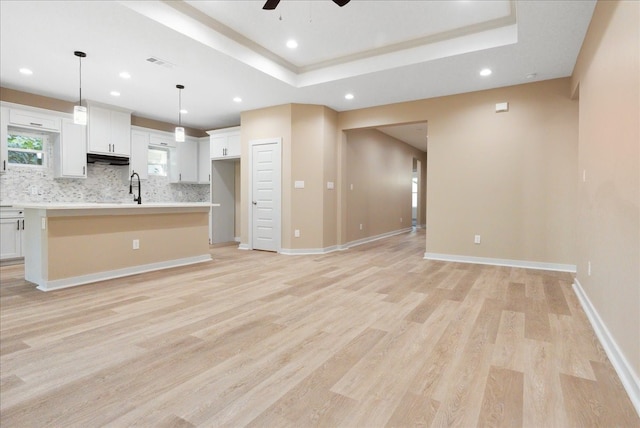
[{"x": 104, "y": 183}]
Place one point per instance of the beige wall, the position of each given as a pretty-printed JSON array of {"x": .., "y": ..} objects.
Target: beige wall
[
  {"x": 509, "y": 177},
  {"x": 33, "y": 100},
  {"x": 84, "y": 245},
  {"x": 380, "y": 168},
  {"x": 271, "y": 122},
  {"x": 607, "y": 79},
  {"x": 308, "y": 154}
]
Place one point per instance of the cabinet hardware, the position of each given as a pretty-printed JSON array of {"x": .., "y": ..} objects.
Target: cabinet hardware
[
  {"x": 180, "y": 177},
  {"x": 35, "y": 124},
  {"x": 163, "y": 144},
  {"x": 4, "y": 165},
  {"x": 18, "y": 228},
  {"x": 209, "y": 177},
  {"x": 83, "y": 170},
  {"x": 22, "y": 224}
]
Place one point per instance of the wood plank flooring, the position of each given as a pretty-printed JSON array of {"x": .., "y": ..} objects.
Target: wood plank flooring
[{"x": 370, "y": 337}]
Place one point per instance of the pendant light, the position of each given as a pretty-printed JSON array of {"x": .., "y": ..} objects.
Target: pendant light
[
  {"x": 80, "y": 111},
  {"x": 179, "y": 128}
]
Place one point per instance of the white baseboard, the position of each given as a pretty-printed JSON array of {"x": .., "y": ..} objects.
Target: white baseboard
[
  {"x": 501, "y": 262},
  {"x": 625, "y": 371},
  {"x": 373, "y": 238},
  {"x": 118, "y": 273},
  {"x": 236, "y": 239},
  {"x": 307, "y": 251}
]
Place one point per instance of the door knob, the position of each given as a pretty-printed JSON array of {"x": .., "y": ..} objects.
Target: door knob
[{"x": 255, "y": 203}]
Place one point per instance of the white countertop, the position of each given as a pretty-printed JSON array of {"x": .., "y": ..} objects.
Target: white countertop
[{"x": 85, "y": 206}]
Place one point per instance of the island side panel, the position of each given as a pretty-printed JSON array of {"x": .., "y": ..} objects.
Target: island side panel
[
  {"x": 82, "y": 245},
  {"x": 35, "y": 246}
]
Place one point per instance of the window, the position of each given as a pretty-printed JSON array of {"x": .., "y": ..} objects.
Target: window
[
  {"x": 25, "y": 148},
  {"x": 157, "y": 162}
]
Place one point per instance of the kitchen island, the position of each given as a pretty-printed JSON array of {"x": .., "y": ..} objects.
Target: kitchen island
[{"x": 74, "y": 244}]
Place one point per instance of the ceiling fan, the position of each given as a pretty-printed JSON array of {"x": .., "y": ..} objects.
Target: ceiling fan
[{"x": 272, "y": 4}]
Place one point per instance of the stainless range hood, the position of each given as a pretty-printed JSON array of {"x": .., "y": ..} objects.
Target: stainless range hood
[{"x": 107, "y": 159}]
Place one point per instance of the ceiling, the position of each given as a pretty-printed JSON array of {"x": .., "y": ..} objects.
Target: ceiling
[{"x": 382, "y": 52}]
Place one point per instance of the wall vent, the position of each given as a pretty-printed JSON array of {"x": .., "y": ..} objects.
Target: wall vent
[{"x": 161, "y": 62}]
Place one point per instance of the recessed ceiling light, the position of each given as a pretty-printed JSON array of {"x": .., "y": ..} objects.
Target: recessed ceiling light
[
  {"x": 125, "y": 75},
  {"x": 348, "y": 96},
  {"x": 292, "y": 44},
  {"x": 26, "y": 71},
  {"x": 115, "y": 93},
  {"x": 183, "y": 111},
  {"x": 485, "y": 72},
  {"x": 237, "y": 99}
]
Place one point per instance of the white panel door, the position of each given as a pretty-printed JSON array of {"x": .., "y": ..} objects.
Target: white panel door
[{"x": 265, "y": 196}]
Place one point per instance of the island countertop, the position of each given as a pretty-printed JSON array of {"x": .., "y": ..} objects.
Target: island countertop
[{"x": 84, "y": 209}]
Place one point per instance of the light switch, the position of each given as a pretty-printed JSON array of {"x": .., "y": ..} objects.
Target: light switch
[
  {"x": 298, "y": 185},
  {"x": 330, "y": 185},
  {"x": 502, "y": 107}
]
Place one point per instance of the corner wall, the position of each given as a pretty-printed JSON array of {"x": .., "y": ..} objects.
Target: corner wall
[
  {"x": 509, "y": 177},
  {"x": 607, "y": 80}
]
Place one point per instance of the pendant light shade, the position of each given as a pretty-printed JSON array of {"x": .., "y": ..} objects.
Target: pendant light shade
[
  {"x": 179, "y": 128},
  {"x": 80, "y": 111}
]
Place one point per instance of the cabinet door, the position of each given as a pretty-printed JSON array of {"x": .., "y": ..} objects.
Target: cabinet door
[
  {"x": 99, "y": 130},
  {"x": 10, "y": 238},
  {"x": 233, "y": 145},
  {"x": 184, "y": 163},
  {"x": 138, "y": 162},
  {"x": 73, "y": 150},
  {"x": 218, "y": 146},
  {"x": 204, "y": 161},
  {"x": 34, "y": 120},
  {"x": 120, "y": 133},
  {"x": 4, "y": 123}
]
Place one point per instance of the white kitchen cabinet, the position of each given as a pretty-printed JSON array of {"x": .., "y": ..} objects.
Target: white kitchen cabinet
[
  {"x": 204, "y": 161},
  {"x": 11, "y": 233},
  {"x": 4, "y": 124},
  {"x": 162, "y": 139},
  {"x": 225, "y": 143},
  {"x": 184, "y": 162},
  {"x": 70, "y": 151},
  {"x": 34, "y": 120},
  {"x": 109, "y": 131},
  {"x": 139, "y": 162}
]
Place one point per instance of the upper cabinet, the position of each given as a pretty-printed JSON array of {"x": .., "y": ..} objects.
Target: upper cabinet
[
  {"x": 4, "y": 123},
  {"x": 204, "y": 162},
  {"x": 184, "y": 162},
  {"x": 70, "y": 151},
  {"x": 138, "y": 162},
  {"x": 109, "y": 131},
  {"x": 33, "y": 120},
  {"x": 225, "y": 143}
]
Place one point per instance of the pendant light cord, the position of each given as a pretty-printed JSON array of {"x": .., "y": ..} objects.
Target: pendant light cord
[
  {"x": 180, "y": 107},
  {"x": 80, "y": 99}
]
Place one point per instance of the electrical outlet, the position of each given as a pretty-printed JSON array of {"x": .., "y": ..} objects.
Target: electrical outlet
[
  {"x": 136, "y": 244},
  {"x": 476, "y": 239},
  {"x": 34, "y": 190},
  {"x": 360, "y": 226},
  {"x": 296, "y": 233},
  {"x": 400, "y": 219},
  {"x": 589, "y": 268}
]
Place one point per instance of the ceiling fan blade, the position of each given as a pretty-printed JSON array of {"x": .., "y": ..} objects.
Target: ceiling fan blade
[
  {"x": 341, "y": 2},
  {"x": 270, "y": 4}
]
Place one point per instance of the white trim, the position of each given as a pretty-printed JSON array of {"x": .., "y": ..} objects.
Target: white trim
[
  {"x": 307, "y": 251},
  {"x": 373, "y": 238},
  {"x": 244, "y": 247},
  {"x": 236, "y": 239},
  {"x": 501, "y": 262},
  {"x": 117, "y": 273},
  {"x": 624, "y": 369}
]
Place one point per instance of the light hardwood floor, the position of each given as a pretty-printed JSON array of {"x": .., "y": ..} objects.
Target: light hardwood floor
[{"x": 370, "y": 337}]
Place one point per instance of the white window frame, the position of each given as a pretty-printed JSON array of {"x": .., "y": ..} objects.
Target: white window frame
[{"x": 30, "y": 134}]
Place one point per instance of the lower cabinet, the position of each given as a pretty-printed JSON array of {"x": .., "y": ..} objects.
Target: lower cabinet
[{"x": 11, "y": 234}]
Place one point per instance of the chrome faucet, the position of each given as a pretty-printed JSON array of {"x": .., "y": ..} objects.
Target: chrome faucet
[{"x": 139, "y": 198}]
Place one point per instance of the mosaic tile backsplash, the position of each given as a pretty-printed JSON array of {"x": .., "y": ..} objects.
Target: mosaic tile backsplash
[{"x": 104, "y": 183}]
